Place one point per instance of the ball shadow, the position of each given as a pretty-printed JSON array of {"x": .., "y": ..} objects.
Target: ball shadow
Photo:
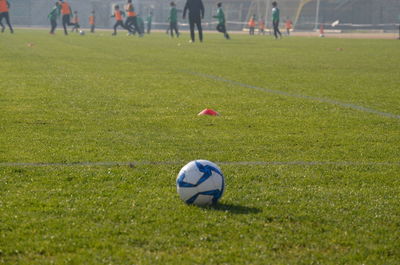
[{"x": 234, "y": 208}]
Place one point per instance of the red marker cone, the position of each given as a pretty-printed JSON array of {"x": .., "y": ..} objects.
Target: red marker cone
[{"x": 209, "y": 112}]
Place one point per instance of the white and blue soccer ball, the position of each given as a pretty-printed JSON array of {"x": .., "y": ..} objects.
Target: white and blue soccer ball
[
  {"x": 81, "y": 32},
  {"x": 201, "y": 183}
]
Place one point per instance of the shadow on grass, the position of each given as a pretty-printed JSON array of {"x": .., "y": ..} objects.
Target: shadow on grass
[{"x": 234, "y": 209}]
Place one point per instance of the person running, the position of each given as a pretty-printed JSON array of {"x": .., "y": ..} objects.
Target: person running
[
  {"x": 75, "y": 21},
  {"x": 252, "y": 24},
  {"x": 275, "y": 19},
  {"x": 118, "y": 14},
  {"x": 261, "y": 27},
  {"x": 66, "y": 13},
  {"x": 149, "y": 21},
  {"x": 173, "y": 20},
  {"x": 196, "y": 14},
  {"x": 131, "y": 21},
  {"x": 53, "y": 16},
  {"x": 4, "y": 13},
  {"x": 221, "y": 21},
  {"x": 288, "y": 26},
  {"x": 92, "y": 21}
]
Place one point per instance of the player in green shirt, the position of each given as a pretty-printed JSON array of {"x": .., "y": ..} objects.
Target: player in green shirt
[
  {"x": 149, "y": 21},
  {"x": 53, "y": 15},
  {"x": 221, "y": 21},
  {"x": 173, "y": 20},
  {"x": 275, "y": 19}
]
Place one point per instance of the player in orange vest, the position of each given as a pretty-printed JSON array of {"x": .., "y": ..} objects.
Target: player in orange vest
[
  {"x": 131, "y": 21},
  {"x": 118, "y": 19},
  {"x": 252, "y": 24},
  {"x": 4, "y": 8},
  {"x": 75, "y": 21},
  {"x": 288, "y": 25},
  {"x": 66, "y": 15},
  {"x": 92, "y": 22}
]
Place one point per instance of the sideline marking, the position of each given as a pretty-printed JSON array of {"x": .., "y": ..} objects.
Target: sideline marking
[
  {"x": 288, "y": 94},
  {"x": 235, "y": 163}
]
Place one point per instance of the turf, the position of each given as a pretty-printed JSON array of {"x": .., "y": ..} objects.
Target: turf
[{"x": 326, "y": 190}]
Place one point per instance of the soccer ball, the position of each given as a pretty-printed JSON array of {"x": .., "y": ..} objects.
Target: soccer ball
[
  {"x": 81, "y": 32},
  {"x": 200, "y": 182}
]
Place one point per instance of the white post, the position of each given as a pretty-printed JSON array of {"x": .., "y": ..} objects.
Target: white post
[{"x": 317, "y": 15}]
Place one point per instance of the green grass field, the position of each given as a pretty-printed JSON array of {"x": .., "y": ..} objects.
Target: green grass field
[{"x": 319, "y": 126}]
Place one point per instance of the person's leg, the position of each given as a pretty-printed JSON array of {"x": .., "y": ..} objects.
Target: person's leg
[
  {"x": 92, "y": 29},
  {"x": 7, "y": 17},
  {"x": 176, "y": 30},
  {"x": 226, "y": 35},
  {"x": 1, "y": 24},
  {"x": 277, "y": 28},
  {"x": 219, "y": 29},
  {"x": 115, "y": 27},
  {"x": 199, "y": 28},
  {"x": 191, "y": 26},
  {"x": 128, "y": 24},
  {"x": 65, "y": 22},
  {"x": 53, "y": 25},
  {"x": 172, "y": 27}
]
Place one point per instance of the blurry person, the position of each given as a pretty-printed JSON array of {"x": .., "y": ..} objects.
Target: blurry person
[
  {"x": 131, "y": 21},
  {"x": 140, "y": 23},
  {"x": 288, "y": 25},
  {"x": 252, "y": 24},
  {"x": 118, "y": 14},
  {"x": 196, "y": 14},
  {"x": 4, "y": 13},
  {"x": 221, "y": 27},
  {"x": 75, "y": 21},
  {"x": 66, "y": 13},
  {"x": 53, "y": 15},
  {"x": 149, "y": 21},
  {"x": 261, "y": 27},
  {"x": 92, "y": 21},
  {"x": 275, "y": 19},
  {"x": 173, "y": 20},
  {"x": 2, "y": 27}
]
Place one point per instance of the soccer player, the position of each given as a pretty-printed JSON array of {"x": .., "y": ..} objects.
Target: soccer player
[
  {"x": 140, "y": 23},
  {"x": 66, "y": 13},
  {"x": 261, "y": 27},
  {"x": 196, "y": 14},
  {"x": 288, "y": 26},
  {"x": 75, "y": 21},
  {"x": 221, "y": 21},
  {"x": 4, "y": 13},
  {"x": 173, "y": 20},
  {"x": 92, "y": 21},
  {"x": 53, "y": 15},
  {"x": 118, "y": 14},
  {"x": 252, "y": 24},
  {"x": 149, "y": 21},
  {"x": 275, "y": 19},
  {"x": 131, "y": 21}
]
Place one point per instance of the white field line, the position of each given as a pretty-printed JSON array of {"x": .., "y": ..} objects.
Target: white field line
[
  {"x": 181, "y": 163},
  {"x": 292, "y": 95}
]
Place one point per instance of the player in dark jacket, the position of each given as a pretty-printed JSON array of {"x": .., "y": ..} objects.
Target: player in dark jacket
[{"x": 196, "y": 14}]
